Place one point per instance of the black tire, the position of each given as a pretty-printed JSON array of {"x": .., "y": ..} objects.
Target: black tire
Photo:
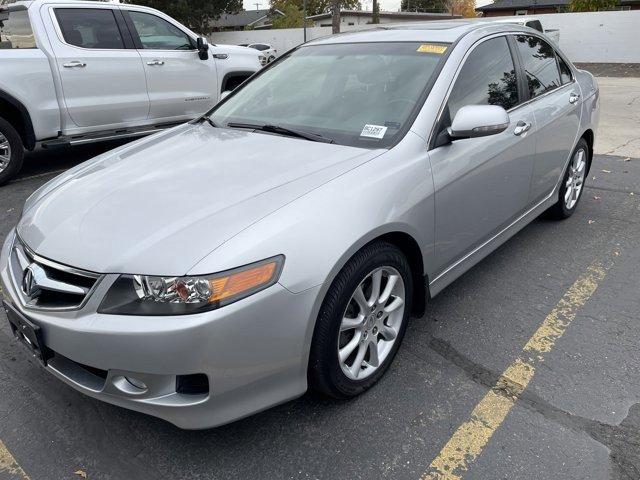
[
  {"x": 560, "y": 211},
  {"x": 17, "y": 151},
  {"x": 324, "y": 373}
]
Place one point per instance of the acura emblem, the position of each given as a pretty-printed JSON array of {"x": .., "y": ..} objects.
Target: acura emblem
[{"x": 29, "y": 281}]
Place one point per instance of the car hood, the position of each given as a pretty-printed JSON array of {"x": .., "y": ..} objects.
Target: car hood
[{"x": 162, "y": 205}]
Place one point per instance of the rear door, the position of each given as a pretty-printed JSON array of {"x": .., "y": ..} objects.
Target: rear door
[
  {"x": 482, "y": 184},
  {"x": 553, "y": 94},
  {"x": 102, "y": 75},
  {"x": 180, "y": 84}
]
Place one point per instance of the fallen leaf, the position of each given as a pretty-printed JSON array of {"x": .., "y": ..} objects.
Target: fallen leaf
[
  {"x": 606, "y": 171},
  {"x": 591, "y": 221},
  {"x": 632, "y": 194},
  {"x": 628, "y": 159},
  {"x": 595, "y": 197},
  {"x": 616, "y": 253},
  {"x": 80, "y": 473}
]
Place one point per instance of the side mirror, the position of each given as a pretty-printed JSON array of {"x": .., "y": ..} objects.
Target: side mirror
[
  {"x": 203, "y": 48},
  {"x": 473, "y": 121}
]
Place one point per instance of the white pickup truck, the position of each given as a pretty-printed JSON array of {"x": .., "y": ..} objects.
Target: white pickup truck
[{"x": 76, "y": 72}]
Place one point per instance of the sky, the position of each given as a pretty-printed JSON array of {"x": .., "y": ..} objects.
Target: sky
[{"x": 386, "y": 5}]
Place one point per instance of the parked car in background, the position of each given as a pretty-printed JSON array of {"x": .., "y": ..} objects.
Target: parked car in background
[
  {"x": 78, "y": 72},
  {"x": 265, "y": 48},
  {"x": 282, "y": 240}
]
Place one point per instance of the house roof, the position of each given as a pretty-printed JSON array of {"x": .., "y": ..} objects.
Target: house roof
[
  {"x": 241, "y": 19},
  {"x": 524, "y": 4},
  {"x": 394, "y": 15},
  {"x": 515, "y": 4}
]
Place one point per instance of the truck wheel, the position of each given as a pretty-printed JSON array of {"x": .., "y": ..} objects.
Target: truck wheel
[{"x": 11, "y": 152}]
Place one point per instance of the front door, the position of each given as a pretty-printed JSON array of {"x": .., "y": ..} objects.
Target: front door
[
  {"x": 102, "y": 80},
  {"x": 180, "y": 84},
  {"x": 482, "y": 184}
]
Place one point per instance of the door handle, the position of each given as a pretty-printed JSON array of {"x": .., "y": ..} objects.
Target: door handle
[
  {"x": 74, "y": 64},
  {"x": 521, "y": 127},
  {"x": 155, "y": 62},
  {"x": 573, "y": 97}
]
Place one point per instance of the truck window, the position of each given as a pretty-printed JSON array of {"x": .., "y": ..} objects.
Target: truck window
[
  {"x": 15, "y": 30},
  {"x": 158, "y": 34},
  {"x": 89, "y": 28}
]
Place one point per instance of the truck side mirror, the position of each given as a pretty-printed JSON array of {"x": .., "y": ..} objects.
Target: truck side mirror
[{"x": 203, "y": 48}]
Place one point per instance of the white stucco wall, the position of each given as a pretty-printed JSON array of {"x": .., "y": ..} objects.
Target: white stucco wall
[{"x": 609, "y": 37}]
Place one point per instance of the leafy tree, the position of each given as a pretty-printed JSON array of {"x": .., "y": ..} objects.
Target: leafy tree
[
  {"x": 293, "y": 18},
  {"x": 592, "y": 5},
  {"x": 466, "y": 8},
  {"x": 434, "y": 6},
  {"x": 195, "y": 14}
]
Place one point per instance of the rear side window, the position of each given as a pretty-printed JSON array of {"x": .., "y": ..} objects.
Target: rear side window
[
  {"x": 539, "y": 64},
  {"x": 89, "y": 27},
  {"x": 565, "y": 71},
  {"x": 157, "y": 34},
  {"x": 15, "y": 30},
  {"x": 488, "y": 77}
]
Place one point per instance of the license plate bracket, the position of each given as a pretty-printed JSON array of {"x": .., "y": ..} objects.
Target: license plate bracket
[{"x": 27, "y": 332}]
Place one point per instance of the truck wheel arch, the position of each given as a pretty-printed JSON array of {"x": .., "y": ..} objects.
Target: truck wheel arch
[
  {"x": 14, "y": 112},
  {"x": 234, "y": 79}
]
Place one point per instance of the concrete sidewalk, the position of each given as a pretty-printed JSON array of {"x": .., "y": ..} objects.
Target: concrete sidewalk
[{"x": 619, "y": 130}]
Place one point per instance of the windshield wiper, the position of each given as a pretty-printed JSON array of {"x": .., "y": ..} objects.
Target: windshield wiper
[
  {"x": 211, "y": 122},
  {"x": 277, "y": 129}
]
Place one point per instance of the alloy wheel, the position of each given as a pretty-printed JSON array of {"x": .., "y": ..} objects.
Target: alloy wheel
[
  {"x": 575, "y": 180},
  {"x": 5, "y": 153},
  {"x": 371, "y": 323}
]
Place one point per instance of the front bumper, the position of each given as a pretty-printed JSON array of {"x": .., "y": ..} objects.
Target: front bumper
[{"x": 254, "y": 353}]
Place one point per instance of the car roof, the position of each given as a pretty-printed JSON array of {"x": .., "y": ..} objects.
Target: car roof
[{"x": 447, "y": 31}]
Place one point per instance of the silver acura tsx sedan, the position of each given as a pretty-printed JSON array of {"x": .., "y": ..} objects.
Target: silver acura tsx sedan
[{"x": 282, "y": 241}]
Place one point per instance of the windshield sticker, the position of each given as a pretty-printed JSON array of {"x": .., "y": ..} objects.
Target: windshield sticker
[
  {"x": 432, "y": 48},
  {"x": 373, "y": 131}
]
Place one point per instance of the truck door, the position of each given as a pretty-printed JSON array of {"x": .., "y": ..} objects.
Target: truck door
[
  {"x": 180, "y": 84},
  {"x": 102, "y": 74}
]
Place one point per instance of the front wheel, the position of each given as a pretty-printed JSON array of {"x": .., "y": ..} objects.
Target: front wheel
[
  {"x": 572, "y": 184},
  {"x": 11, "y": 151},
  {"x": 361, "y": 322}
]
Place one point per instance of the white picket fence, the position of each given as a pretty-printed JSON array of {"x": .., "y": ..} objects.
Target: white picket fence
[{"x": 609, "y": 37}]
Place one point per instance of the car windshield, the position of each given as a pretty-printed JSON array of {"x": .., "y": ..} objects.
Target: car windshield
[{"x": 360, "y": 94}]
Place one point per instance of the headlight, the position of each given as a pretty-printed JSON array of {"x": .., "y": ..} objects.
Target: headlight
[{"x": 153, "y": 295}]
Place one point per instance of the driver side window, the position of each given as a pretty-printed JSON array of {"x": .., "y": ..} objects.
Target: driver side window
[
  {"x": 157, "y": 34},
  {"x": 488, "y": 77}
]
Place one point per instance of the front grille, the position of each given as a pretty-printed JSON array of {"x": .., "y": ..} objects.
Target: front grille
[{"x": 46, "y": 285}]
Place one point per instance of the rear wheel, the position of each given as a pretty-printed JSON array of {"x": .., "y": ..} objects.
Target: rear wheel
[
  {"x": 362, "y": 322},
  {"x": 11, "y": 151},
  {"x": 572, "y": 183}
]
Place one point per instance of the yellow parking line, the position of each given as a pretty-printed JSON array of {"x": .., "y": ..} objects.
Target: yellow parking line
[
  {"x": 469, "y": 440},
  {"x": 9, "y": 465}
]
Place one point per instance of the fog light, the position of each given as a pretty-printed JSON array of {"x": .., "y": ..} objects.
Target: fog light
[{"x": 136, "y": 383}]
